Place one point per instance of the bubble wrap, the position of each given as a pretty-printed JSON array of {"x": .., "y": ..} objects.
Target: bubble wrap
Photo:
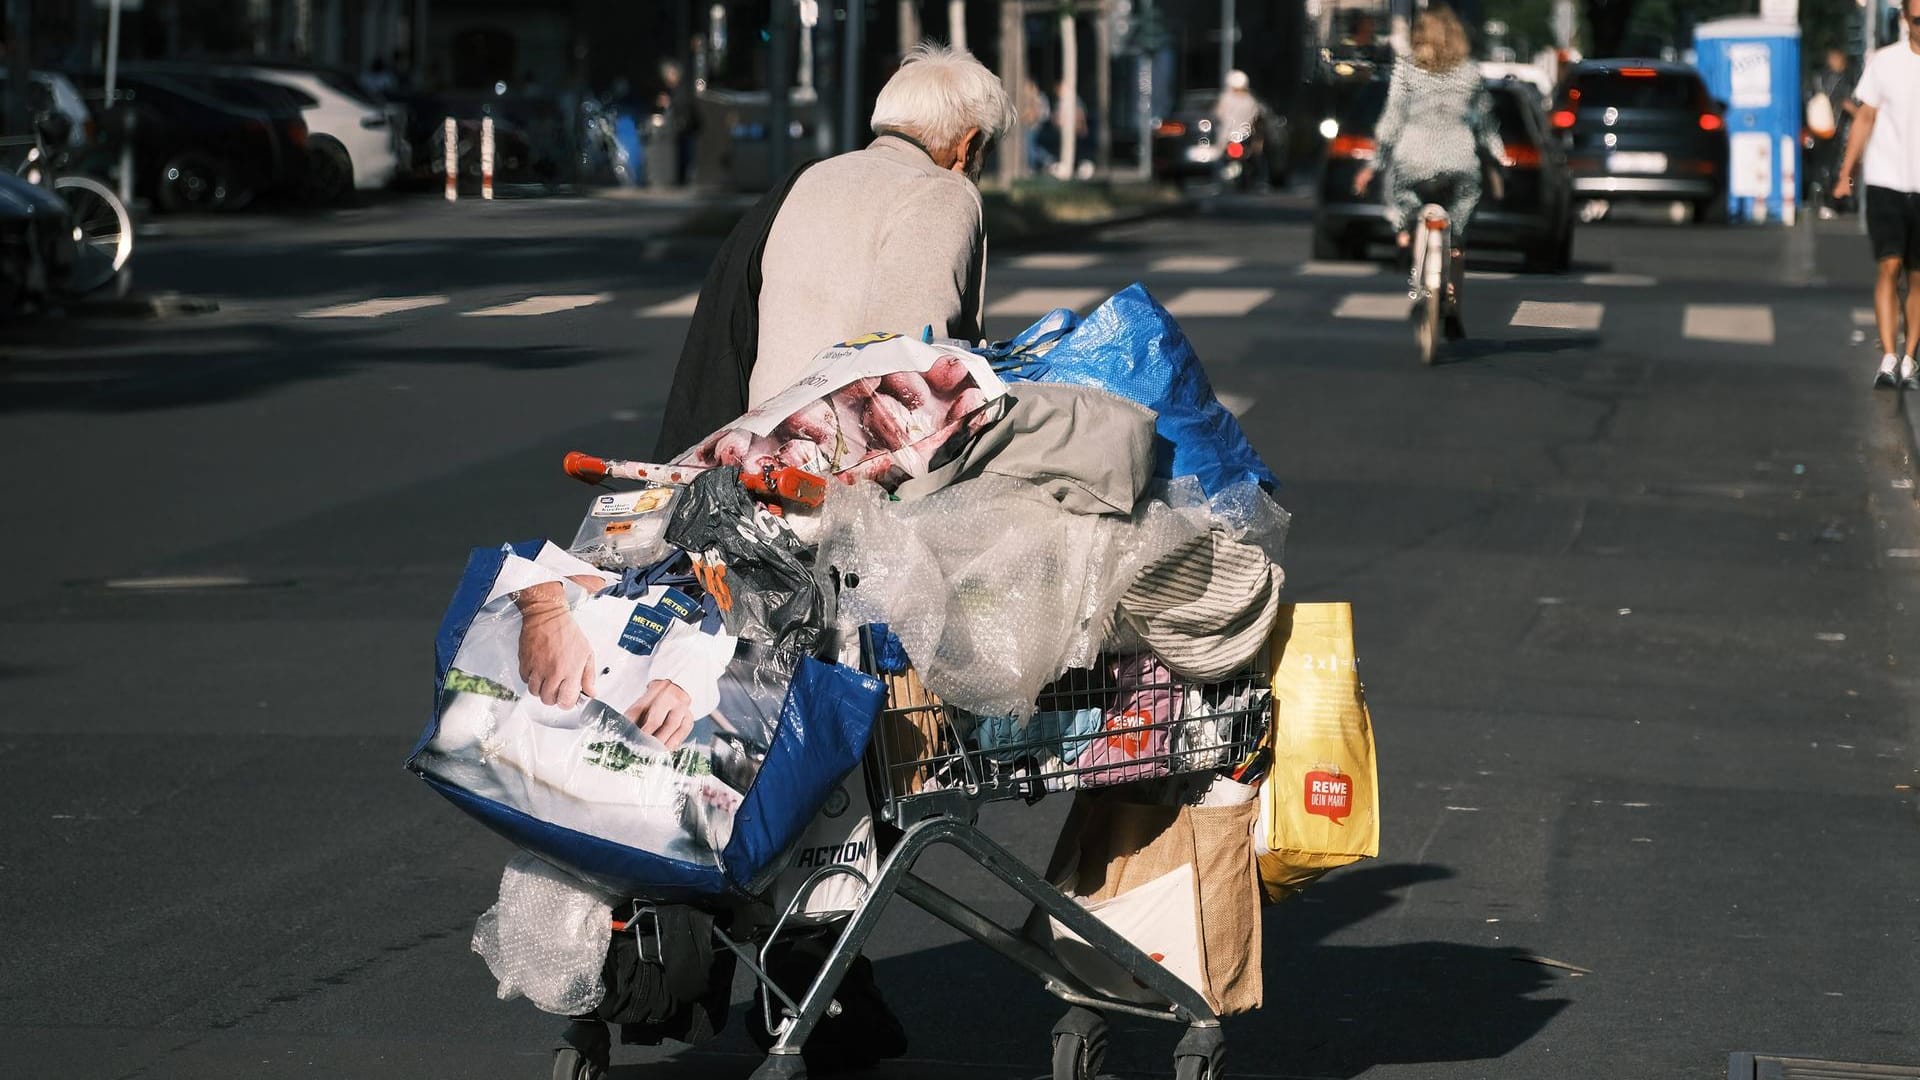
[
  {"x": 546, "y": 938},
  {"x": 993, "y": 589}
]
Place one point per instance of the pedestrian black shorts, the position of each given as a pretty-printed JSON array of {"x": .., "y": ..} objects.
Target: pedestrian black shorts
[{"x": 1893, "y": 225}]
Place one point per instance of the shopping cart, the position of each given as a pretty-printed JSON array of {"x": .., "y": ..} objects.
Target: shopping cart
[{"x": 931, "y": 767}]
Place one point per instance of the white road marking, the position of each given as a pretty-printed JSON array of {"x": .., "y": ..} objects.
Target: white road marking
[
  {"x": 1863, "y": 316},
  {"x": 1903, "y": 553},
  {"x": 1208, "y": 302},
  {"x": 1338, "y": 269},
  {"x": 541, "y": 305},
  {"x": 1558, "y": 316},
  {"x": 1237, "y": 404},
  {"x": 1195, "y": 264},
  {"x": 679, "y": 308},
  {"x": 1736, "y": 324},
  {"x": 182, "y": 581},
  {"x": 1625, "y": 281},
  {"x": 1041, "y": 301},
  {"x": 414, "y": 247},
  {"x": 1491, "y": 275},
  {"x": 1379, "y": 307},
  {"x": 373, "y": 309},
  {"x": 1054, "y": 261}
]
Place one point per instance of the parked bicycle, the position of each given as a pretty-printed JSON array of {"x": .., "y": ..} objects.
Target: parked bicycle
[{"x": 62, "y": 235}]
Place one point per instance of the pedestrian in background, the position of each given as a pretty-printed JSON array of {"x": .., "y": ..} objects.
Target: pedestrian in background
[
  {"x": 1829, "y": 114},
  {"x": 681, "y": 109},
  {"x": 1886, "y": 135}
]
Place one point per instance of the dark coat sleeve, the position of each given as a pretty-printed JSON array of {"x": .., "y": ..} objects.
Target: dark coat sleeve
[{"x": 723, "y": 340}]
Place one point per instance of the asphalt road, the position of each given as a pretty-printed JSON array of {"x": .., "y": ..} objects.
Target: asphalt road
[{"x": 1632, "y": 577}]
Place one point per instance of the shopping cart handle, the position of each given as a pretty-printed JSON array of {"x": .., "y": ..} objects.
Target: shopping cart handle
[
  {"x": 786, "y": 484},
  {"x": 584, "y": 467}
]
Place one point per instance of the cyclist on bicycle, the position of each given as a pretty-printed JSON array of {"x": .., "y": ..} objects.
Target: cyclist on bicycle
[{"x": 1437, "y": 129}]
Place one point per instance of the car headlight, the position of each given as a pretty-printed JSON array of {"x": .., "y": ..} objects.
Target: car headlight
[{"x": 1329, "y": 128}]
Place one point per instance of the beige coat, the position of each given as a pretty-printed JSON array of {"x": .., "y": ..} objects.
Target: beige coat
[{"x": 880, "y": 239}]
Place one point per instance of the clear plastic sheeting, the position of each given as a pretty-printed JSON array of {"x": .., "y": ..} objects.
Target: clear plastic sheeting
[
  {"x": 994, "y": 590},
  {"x": 545, "y": 939}
]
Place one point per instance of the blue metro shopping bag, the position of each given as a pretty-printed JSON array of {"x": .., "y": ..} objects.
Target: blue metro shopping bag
[
  {"x": 1132, "y": 347},
  {"x": 581, "y": 787}
]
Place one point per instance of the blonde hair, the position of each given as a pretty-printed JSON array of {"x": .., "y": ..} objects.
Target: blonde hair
[
  {"x": 938, "y": 93},
  {"x": 1439, "y": 40}
]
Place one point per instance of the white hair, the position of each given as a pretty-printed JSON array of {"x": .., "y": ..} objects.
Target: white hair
[{"x": 938, "y": 93}]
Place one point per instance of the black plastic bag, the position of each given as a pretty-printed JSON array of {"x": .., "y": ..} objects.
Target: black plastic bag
[{"x": 750, "y": 563}]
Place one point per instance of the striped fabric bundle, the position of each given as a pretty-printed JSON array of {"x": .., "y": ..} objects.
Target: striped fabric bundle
[{"x": 1206, "y": 608}]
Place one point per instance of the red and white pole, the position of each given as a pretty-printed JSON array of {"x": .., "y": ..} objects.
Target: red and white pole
[
  {"x": 486, "y": 157},
  {"x": 453, "y": 159}
]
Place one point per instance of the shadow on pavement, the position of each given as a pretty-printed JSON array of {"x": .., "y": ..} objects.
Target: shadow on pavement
[
  {"x": 1331, "y": 1010},
  {"x": 230, "y": 363}
]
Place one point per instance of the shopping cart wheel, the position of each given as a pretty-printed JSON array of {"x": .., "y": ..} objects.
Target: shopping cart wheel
[
  {"x": 585, "y": 1053},
  {"x": 571, "y": 1064},
  {"x": 1201, "y": 1055},
  {"x": 1079, "y": 1045}
]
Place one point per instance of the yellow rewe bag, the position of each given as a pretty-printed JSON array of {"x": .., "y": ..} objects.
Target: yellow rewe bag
[{"x": 1320, "y": 800}]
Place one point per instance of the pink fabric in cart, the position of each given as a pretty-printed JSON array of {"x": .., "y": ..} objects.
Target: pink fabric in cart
[{"x": 1136, "y": 741}]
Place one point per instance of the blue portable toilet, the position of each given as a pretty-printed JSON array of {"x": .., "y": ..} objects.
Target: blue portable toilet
[{"x": 1753, "y": 65}]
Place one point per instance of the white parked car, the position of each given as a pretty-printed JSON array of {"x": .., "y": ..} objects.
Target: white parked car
[
  {"x": 352, "y": 139},
  {"x": 338, "y": 109}
]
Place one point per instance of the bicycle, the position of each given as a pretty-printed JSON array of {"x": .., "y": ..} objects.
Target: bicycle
[
  {"x": 100, "y": 229},
  {"x": 1434, "y": 283}
]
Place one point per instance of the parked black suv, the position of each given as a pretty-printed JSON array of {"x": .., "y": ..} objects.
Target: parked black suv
[{"x": 1643, "y": 130}]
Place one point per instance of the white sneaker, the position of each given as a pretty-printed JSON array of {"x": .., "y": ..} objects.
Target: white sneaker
[
  {"x": 1909, "y": 377},
  {"x": 1885, "y": 379}
]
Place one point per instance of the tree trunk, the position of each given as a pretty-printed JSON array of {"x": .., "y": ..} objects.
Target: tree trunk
[{"x": 1609, "y": 19}]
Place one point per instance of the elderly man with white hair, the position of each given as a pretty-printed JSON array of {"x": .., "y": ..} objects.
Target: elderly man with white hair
[{"x": 887, "y": 238}]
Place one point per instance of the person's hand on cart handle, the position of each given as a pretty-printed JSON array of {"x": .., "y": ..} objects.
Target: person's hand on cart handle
[
  {"x": 556, "y": 662},
  {"x": 665, "y": 712}
]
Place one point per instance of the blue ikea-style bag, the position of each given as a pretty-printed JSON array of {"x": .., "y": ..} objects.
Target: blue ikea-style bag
[
  {"x": 1131, "y": 346},
  {"x": 582, "y": 788}
]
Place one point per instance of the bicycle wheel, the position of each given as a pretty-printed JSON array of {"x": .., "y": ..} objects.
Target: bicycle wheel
[
  {"x": 102, "y": 232},
  {"x": 1426, "y": 329}
]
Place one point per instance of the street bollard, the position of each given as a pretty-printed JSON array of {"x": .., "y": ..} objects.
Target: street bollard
[
  {"x": 486, "y": 157},
  {"x": 453, "y": 159}
]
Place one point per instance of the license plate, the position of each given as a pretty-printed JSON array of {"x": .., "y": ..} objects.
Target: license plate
[
  {"x": 1637, "y": 163},
  {"x": 1200, "y": 153}
]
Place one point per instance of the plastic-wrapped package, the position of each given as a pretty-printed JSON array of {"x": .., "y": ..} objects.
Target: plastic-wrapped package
[
  {"x": 546, "y": 937},
  {"x": 625, "y": 529}
]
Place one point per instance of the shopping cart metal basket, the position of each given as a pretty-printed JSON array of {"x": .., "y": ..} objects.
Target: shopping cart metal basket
[{"x": 932, "y": 767}]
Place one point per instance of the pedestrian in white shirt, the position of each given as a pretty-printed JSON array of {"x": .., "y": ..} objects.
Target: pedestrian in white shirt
[{"x": 1886, "y": 133}]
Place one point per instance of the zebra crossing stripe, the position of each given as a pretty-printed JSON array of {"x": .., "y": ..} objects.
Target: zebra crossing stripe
[
  {"x": 1626, "y": 281},
  {"x": 1202, "y": 303},
  {"x": 1733, "y": 324},
  {"x": 1376, "y": 307},
  {"x": 1541, "y": 315},
  {"x": 1195, "y": 264},
  {"x": 540, "y": 305},
  {"x": 1041, "y": 301},
  {"x": 678, "y": 308},
  {"x": 373, "y": 309},
  {"x": 1338, "y": 269},
  {"x": 1055, "y": 261}
]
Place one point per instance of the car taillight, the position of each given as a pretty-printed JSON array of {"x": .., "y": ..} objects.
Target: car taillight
[
  {"x": 1171, "y": 128},
  {"x": 1236, "y": 150},
  {"x": 1563, "y": 119},
  {"x": 1356, "y": 147},
  {"x": 1638, "y": 73},
  {"x": 1521, "y": 156},
  {"x": 1711, "y": 122},
  {"x": 297, "y": 133}
]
